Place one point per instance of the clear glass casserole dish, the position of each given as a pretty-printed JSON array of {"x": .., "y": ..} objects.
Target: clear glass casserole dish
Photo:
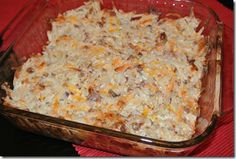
[{"x": 26, "y": 35}]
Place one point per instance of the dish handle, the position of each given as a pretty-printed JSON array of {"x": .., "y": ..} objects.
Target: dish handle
[{"x": 224, "y": 114}]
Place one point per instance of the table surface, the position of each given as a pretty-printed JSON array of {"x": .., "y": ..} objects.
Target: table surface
[{"x": 15, "y": 142}]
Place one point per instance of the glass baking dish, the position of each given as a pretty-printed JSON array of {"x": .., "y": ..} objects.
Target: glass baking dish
[{"x": 26, "y": 35}]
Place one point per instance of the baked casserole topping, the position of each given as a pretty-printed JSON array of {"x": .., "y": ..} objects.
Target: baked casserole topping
[{"x": 129, "y": 72}]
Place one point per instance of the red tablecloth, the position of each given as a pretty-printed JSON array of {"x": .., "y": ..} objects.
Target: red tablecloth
[{"x": 222, "y": 141}]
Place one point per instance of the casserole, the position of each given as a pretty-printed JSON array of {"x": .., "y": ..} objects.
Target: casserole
[{"x": 211, "y": 83}]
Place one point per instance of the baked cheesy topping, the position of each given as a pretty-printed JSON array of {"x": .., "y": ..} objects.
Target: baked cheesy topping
[{"x": 129, "y": 72}]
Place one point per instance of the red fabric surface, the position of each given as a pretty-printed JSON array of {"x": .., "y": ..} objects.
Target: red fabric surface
[{"x": 221, "y": 142}]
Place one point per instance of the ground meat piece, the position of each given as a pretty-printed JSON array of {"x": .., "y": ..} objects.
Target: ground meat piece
[
  {"x": 163, "y": 37},
  {"x": 93, "y": 95},
  {"x": 136, "y": 126},
  {"x": 135, "y": 18},
  {"x": 140, "y": 67},
  {"x": 113, "y": 94},
  {"x": 30, "y": 70}
]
